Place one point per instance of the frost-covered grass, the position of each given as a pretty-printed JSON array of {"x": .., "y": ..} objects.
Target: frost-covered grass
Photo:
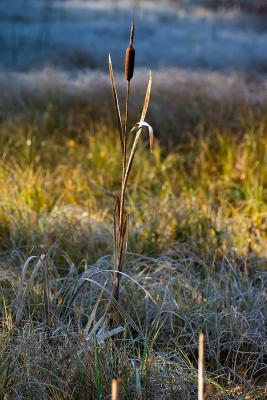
[
  {"x": 182, "y": 101},
  {"x": 197, "y": 244}
]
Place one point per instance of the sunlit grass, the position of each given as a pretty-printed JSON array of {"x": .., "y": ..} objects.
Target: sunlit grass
[{"x": 210, "y": 191}]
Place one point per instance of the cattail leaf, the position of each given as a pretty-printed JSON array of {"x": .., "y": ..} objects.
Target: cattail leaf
[
  {"x": 143, "y": 124},
  {"x": 147, "y": 98},
  {"x": 138, "y": 133},
  {"x": 115, "y": 229},
  {"x": 124, "y": 240},
  {"x": 116, "y": 101}
]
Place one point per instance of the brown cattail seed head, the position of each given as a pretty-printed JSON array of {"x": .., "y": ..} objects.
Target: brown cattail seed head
[
  {"x": 129, "y": 63},
  {"x": 129, "y": 57}
]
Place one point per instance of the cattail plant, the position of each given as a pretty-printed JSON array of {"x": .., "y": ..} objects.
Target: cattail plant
[{"x": 120, "y": 216}]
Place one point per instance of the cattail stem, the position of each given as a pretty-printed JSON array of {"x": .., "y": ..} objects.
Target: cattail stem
[
  {"x": 131, "y": 35},
  {"x": 125, "y": 140},
  {"x": 126, "y": 115},
  {"x": 129, "y": 69},
  {"x": 125, "y": 136}
]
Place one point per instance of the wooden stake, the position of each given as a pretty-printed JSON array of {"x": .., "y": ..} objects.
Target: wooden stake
[
  {"x": 201, "y": 367},
  {"x": 115, "y": 389}
]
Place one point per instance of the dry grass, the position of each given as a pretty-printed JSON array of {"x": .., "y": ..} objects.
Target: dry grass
[
  {"x": 183, "y": 102},
  {"x": 157, "y": 355}
]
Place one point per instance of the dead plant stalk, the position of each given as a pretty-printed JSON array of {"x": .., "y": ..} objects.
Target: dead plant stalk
[
  {"x": 120, "y": 216},
  {"x": 201, "y": 367}
]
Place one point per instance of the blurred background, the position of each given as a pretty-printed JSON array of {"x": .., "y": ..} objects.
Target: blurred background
[{"x": 77, "y": 35}]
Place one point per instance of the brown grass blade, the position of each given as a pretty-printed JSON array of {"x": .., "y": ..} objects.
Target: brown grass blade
[
  {"x": 116, "y": 102},
  {"x": 147, "y": 98},
  {"x": 124, "y": 236},
  {"x": 138, "y": 133},
  {"x": 125, "y": 244},
  {"x": 141, "y": 124},
  {"x": 116, "y": 216}
]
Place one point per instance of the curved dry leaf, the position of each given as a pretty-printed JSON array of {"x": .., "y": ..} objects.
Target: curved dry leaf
[
  {"x": 143, "y": 124},
  {"x": 147, "y": 98}
]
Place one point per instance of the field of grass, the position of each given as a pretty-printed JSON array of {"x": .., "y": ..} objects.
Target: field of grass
[
  {"x": 197, "y": 231},
  {"x": 197, "y": 260}
]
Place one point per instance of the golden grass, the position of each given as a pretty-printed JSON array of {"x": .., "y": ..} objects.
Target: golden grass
[{"x": 210, "y": 191}]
